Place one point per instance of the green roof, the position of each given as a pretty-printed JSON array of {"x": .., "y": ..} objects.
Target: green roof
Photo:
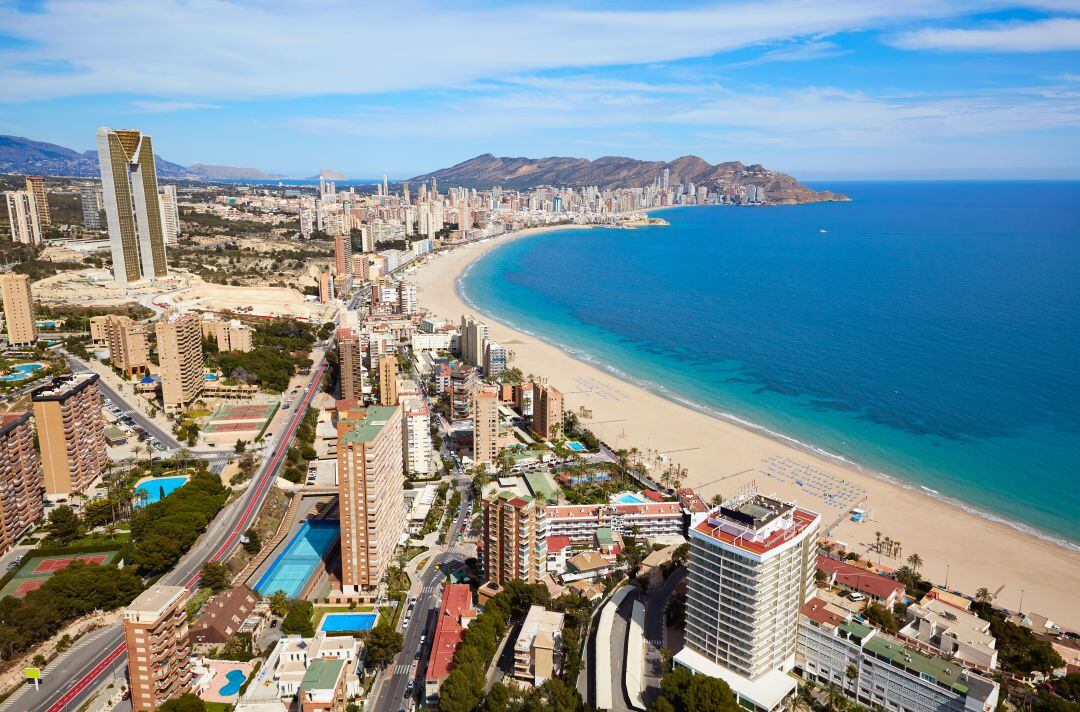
[
  {"x": 542, "y": 486},
  {"x": 322, "y": 674},
  {"x": 941, "y": 670},
  {"x": 855, "y": 629},
  {"x": 604, "y": 536},
  {"x": 366, "y": 430}
]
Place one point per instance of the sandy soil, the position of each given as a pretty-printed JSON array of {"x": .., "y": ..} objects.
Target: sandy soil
[
  {"x": 266, "y": 301},
  {"x": 972, "y": 551}
]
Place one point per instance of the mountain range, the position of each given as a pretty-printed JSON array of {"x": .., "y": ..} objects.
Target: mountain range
[{"x": 488, "y": 170}]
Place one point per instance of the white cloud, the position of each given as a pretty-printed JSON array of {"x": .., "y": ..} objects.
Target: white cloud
[
  {"x": 166, "y": 107},
  {"x": 1050, "y": 35},
  {"x": 224, "y": 49}
]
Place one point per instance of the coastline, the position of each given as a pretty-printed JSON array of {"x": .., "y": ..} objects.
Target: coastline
[{"x": 958, "y": 543}]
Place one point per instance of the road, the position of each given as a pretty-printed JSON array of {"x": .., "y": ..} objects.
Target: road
[
  {"x": 655, "y": 602},
  {"x": 68, "y": 688},
  {"x": 390, "y": 691}
]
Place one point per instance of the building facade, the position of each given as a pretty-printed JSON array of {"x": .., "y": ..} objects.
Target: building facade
[
  {"x": 170, "y": 214},
  {"x": 132, "y": 207},
  {"x": 538, "y": 648},
  {"x": 91, "y": 205},
  {"x": 514, "y": 540},
  {"x": 372, "y": 510},
  {"x": 180, "y": 359},
  {"x": 547, "y": 416},
  {"x": 388, "y": 385},
  {"x": 18, "y": 309},
  {"x": 71, "y": 433},
  {"x": 419, "y": 451},
  {"x": 20, "y": 479},
  {"x": 156, "y": 633},
  {"x": 495, "y": 358},
  {"x": 129, "y": 350},
  {"x": 485, "y": 424},
  {"x": 23, "y": 217},
  {"x": 351, "y": 366}
]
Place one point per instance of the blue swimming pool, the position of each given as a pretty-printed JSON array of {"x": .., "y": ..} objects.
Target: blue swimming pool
[
  {"x": 630, "y": 498},
  {"x": 293, "y": 567},
  {"x": 151, "y": 490},
  {"x": 210, "y": 376},
  {"x": 575, "y": 446},
  {"x": 347, "y": 622},
  {"x": 22, "y": 372},
  {"x": 235, "y": 680}
]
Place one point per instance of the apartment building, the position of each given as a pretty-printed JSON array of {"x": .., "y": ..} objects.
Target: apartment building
[
  {"x": 158, "y": 651},
  {"x": 129, "y": 349},
  {"x": 388, "y": 385},
  {"x": 231, "y": 335},
  {"x": 180, "y": 359},
  {"x": 90, "y": 198},
  {"x": 538, "y": 647},
  {"x": 514, "y": 540},
  {"x": 170, "y": 214},
  {"x": 463, "y": 381},
  {"x": 495, "y": 359},
  {"x": 18, "y": 309},
  {"x": 751, "y": 569},
  {"x": 35, "y": 186},
  {"x": 474, "y": 334},
  {"x": 547, "y": 417},
  {"x": 419, "y": 451},
  {"x": 408, "y": 302},
  {"x": 351, "y": 365},
  {"x": 580, "y": 522},
  {"x": 485, "y": 419},
  {"x": 888, "y": 674},
  {"x": 287, "y": 675},
  {"x": 372, "y": 510},
  {"x": 455, "y": 613},
  {"x": 343, "y": 255},
  {"x": 71, "y": 433},
  {"x": 326, "y": 287},
  {"x": 20, "y": 479},
  {"x": 938, "y": 628},
  {"x": 23, "y": 217}
]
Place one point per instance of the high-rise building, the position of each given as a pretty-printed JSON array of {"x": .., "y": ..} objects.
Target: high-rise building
[
  {"x": 170, "y": 214},
  {"x": 18, "y": 308},
  {"x": 129, "y": 350},
  {"x": 23, "y": 217},
  {"x": 547, "y": 419},
  {"x": 326, "y": 287},
  {"x": 351, "y": 365},
  {"x": 485, "y": 423},
  {"x": 20, "y": 479},
  {"x": 343, "y": 254},
  {"x": 130, "y": 187},
  {"x": 418, "y": 448},
  {"x": 514, "y": 540},
  {"x": 231, "y": 335},
  {"x": 751, "y": 570},
  {"x": 407, "y": 301},
  {"x": 462, "y": 384},
  {"x": 36, "y": 186},
  {"x": 388, "y": 394},
  {"x": 91, "y": 205},
  {"x": 495, "y": 357},
  {"x": 180, "y": 359},
  {"x": 372, "y": 510},
  {"x": 71, "y": 433},
  {"x": 156, "y": 633},
  {"x": 474, "y": 334}
]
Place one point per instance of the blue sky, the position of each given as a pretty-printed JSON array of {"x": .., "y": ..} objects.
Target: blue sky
[{"x": 819, "y": 88}]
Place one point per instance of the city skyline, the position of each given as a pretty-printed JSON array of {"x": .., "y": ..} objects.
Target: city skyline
[{"x": 821, "y": 90}]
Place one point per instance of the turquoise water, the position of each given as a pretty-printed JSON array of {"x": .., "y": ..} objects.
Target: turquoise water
[
  {"x": 22, "y": 372},
  {"x": 157, "y": 488},
  {"x": 929, "y": 331},
  {"x": 630, "y": 499},
  {"x": 235, "y": 681},
  {"x": 347, "y": 622},
  {"x": 575, "y": 446},
  {"x": 295, "y": 565}
]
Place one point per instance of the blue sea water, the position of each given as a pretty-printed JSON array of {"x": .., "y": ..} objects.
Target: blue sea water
[{"x": 928, "y": 331}]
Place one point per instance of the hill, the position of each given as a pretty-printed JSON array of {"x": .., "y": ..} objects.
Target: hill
[
  {"x": 23, "y": 155},
  {"x": 208, "y": 171},
  {"x": 488, "y": 170}
]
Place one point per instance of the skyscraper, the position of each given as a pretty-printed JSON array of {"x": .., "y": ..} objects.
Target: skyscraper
[
  {"x": 180, "y": 359},
  {"x": 91, "y": 205},
  {"x": 547, "y": 411},
  {"x": 36, "y": 186},
  {"x": 18, "y": 309},
  {"x": 388, "y": 394},
  {"x": 343, "y": 254},
  {"x": 23, "y": 217},
  {"x": 71, "y": 433},
  {"x": 20, "y": 479},
  {"x": 156, "y": 633},
  {"x": 372, "y": 510},
  {"x": 485, "y": 423},
  {"x": 129, "y": 350},
  {"x": 751, "y": 569},
  {"x": 170, "y": 214},
  {"x": 514, "y": 540},
  {"x": 351, "y": 365},
  {"x": 132, "y": 206}
]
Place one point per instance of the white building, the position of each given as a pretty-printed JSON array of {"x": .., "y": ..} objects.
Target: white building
[
  {"x": 937, "y": 627},
  {"x": 439, "y": 341},
  {"x": 751, "y": 569},
  {"x": 23, "y": 216},
  {"x": 418, "y": 448},
  {"x": 407, "y": 301},
  {"x": 91, "y": 205},
  {"x": 286, "y": 672},
  {"x": 170, "y": 214}
]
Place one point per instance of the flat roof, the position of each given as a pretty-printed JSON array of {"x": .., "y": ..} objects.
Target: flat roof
[
  {"x": 944, "y": 671},
  {"x": 767, "y": 691},
  {"x": 541, "y": 485},
  {"x": 802, "y": 519},
  {"x": 322, "y": 674},
  {"x": 368, "y": 428}
]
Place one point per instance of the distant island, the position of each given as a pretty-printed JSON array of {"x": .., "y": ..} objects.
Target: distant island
[
  {"x": 208, "y": 171},
  {"x": 487, "y": 170},
  {"x": 328, "y": 175}
]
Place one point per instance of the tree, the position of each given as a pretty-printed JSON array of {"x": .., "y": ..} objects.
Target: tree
[
  {"x": 63, "y": 524},
  {"x": 298, "y": 619},
  {"x": 837, "y": 701},
  {"x": 881, "y": 617},
  {"x": 915, "y": 561},
  {"x": 187, "y": 702},
  {"x": 253, "y": 543},
  {"x": 241, "y": 445},
  {"x": 279, "y": 603},
  {"x": 383, "y": 644},
  {"x": 215, "y": 576},
  {"x": 504, "y": 461},
  {"x": 684, "y": 691},
  {"x": 983, "y": 595}
]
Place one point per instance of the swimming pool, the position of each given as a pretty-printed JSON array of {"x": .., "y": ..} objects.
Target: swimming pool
[
  {"x": 630, "y": 498},
  {"x": 347, "y": 622},
  {"x": 210, "y": 376},
  {"x": 294, "y": 566},
  {"x": 22, "y": 372},
  {"x": 155, "y": 488},
  {"x": 235, "y": 681},
  {"x": 575, "y": 446}
]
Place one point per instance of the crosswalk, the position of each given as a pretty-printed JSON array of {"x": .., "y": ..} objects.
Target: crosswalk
[
  {"x": 402, "y": 668},
  {"x": 56, "y": 664}
]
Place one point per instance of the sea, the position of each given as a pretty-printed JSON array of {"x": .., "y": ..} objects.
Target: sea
[{"x": 928, "y": 332}]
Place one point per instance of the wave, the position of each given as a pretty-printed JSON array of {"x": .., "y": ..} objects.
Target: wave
[{"x": 664, "y": 392}]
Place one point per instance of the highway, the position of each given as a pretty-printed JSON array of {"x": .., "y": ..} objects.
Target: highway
[{"x": 68, "y": 688}]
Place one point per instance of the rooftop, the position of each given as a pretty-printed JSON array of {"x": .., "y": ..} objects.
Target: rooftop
[
  {"x": 154, "y": 601},
  {"x": 941, "y": 670},
  {"x": 859, "y": 579},
  {"x": 449, "y": 629},
  {"x": 60, "y": 387},
  {"x": 367, "y": 429},
  {"x": 322, "y": 674},
  {"x": 756, "y": 530},
  {"x": 541, "y": 485},
  {"x": 539, "y": 621}
]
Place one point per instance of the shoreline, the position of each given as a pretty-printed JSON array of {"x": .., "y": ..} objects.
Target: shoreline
[{"x": 961, "y": 544}]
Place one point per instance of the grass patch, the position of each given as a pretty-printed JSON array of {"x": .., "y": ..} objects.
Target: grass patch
[{"x": 217, "y": 707}]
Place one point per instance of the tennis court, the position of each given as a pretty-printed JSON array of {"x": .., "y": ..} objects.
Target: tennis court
[
  {"x": 36, "y": 571},
  {"x": 293, "y": 567}
]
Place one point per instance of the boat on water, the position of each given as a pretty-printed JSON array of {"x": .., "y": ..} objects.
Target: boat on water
[{"x": 823, "y": 231}]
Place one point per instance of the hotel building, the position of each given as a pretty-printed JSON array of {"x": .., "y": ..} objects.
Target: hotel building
[
  {"x": 71, "y": 433},
  {"x": 132, "y": 207},
  {"x": 156, "y": 633},
  {"x": 514, "y": 540},
  {"x": 888, "y": 674},
  {"x": 579, "y": 522},
  {"x": 751, "y": 569},
  {"x": 129, "y": 350},
  {"x": 370, "y": 482},
  {"x": 547, "y": 418},
  {"x": 23, "y": 217},
  {"x": 180, "y": 359},
  {"x": 474, "y": 334},
  {"x": 351, "y": 365},
  {"x": 485, "y": 424},
  {"x": 419, "y": 451},
  {"x": 388, "y": 386},
  {"x": 35, "y": 186},
  {"x": 20, "y": 479},
  {"x": 18, "y": 309}
]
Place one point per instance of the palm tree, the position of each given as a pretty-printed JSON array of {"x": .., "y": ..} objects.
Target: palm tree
[
  {"x": 915, "y": 561},
  {"x": 837, "y": 701},
  {"x": 906, "y": 576},
  {"x": 983, "y": 595},
  {"x": 877, "y": 542}
]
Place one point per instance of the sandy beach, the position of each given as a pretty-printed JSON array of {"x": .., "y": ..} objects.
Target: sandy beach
[{"x": 722, "y": 456}]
